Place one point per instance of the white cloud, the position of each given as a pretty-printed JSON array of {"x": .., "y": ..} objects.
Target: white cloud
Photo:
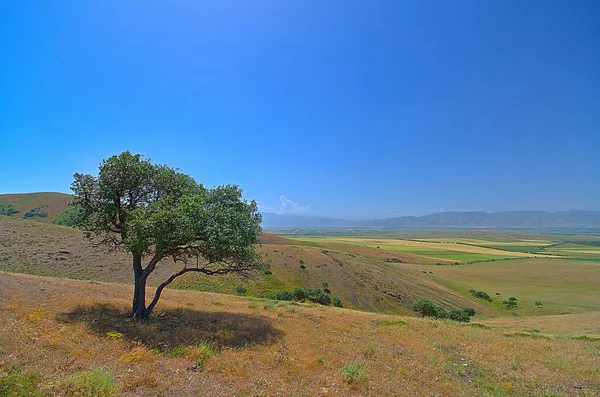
[{"x": 286, "y": 206}]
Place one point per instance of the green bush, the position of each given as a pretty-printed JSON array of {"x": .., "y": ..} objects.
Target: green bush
[
  {"x": 323, "y": 298},
  {"x": 427, "y": 309},
  {"x": 459, "y": 315},
  {"x": 337, "y": 302},
  {"x": 8, "y": 210},
  {"x": 354, "y": 372},
  {"x": 305, "y": 294},
  {"x": 480, "y": 294},
  {"x": 510, "y": 303},
  {"x": 470, "y": 311}
]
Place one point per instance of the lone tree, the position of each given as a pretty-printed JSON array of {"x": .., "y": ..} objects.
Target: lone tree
[{"x": 155, "y": 212}]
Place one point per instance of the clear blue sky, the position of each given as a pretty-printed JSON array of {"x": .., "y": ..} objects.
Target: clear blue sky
[{"x": 341, "y": 108}]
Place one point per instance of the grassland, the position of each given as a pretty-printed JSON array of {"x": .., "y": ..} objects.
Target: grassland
[
  {"x": 361, "y": 281},
  {"x": 54, "y": 330}
]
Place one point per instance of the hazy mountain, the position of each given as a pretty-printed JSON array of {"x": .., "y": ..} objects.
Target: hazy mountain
[{"x": 448, "y": 220}]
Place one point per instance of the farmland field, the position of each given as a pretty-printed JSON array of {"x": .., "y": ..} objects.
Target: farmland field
[{"x": 448, "y": 250}]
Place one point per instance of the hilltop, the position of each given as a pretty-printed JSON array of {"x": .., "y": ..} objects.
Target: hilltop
[{"x": 47, "y": 207}]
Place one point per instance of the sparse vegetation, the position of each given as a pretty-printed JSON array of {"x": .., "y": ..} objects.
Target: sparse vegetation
[
  {"x": 15, "y": 383},
  {"x": 305, "y": 294},
  {"x": 354, "y": 372},
  {"x": 97, "y": 382}
]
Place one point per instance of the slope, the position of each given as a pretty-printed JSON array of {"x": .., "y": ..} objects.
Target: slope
[
  {"x": 55, "y": 333},
  {"x": 360, "y": 281}
]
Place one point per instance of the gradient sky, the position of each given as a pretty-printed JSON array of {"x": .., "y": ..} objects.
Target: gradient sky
[{"x": 342, "y": 108}]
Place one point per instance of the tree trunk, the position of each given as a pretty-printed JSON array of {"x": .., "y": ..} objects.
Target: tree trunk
[{"x": 138, "y": 310}]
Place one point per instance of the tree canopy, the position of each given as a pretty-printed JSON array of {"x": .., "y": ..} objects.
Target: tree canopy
[{"x": 156, "y": 212}]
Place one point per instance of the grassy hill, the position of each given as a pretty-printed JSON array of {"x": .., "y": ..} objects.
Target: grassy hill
[
  {"x": 44, "y": 207},
  {"x": 361, "y": 279},
  {"x": 58, "y": 337}
]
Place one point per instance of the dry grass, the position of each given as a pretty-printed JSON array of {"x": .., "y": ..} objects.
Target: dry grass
[{"x": 57, "y": 328}]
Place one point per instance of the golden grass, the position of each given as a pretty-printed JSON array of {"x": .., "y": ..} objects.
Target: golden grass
[{"x": 272, "y": 350}]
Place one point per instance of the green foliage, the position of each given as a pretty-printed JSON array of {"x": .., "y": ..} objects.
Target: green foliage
[
  {"x": 13, "y": 383},
  {"x": 537, "y": 303},
  {"x": 337, "y": 302},
  {"x": 323, "y": 298},
  {"x": 95, "y": 383},
  {"x": 470, "y": 311},
  {"x": 354, "y": 372},
  {"x": 428, "y": 309},
  {"x": 459, "y": 315},
  {"x": 306, "y": 294},
  {"x": 510, "y": 303},
  {"x": 8, "y": 210},
  {"x": 36, "y": 212},
  {"x": 154, "y": 209},
  {"x": 481, "y": 295}
]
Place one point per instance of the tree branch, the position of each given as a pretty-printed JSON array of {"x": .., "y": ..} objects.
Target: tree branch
[{"x": 225, "y": 270}]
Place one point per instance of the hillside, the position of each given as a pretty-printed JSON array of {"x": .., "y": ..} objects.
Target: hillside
[
  {"x": 58, "y": 335},
  {"x": 360, "y": 276},
  {"x": 45, "y": 207}
]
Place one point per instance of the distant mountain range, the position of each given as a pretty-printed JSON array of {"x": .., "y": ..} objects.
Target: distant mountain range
[{"x": 447, "y": 220}]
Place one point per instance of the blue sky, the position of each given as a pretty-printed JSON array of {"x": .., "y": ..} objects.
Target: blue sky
[{"x": 342, "y": 108}]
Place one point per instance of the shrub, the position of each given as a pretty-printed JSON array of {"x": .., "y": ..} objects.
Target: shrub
[
  {"x": 337, "y": 302},
  {"x": 300, "y": 294},
  {"x": 470, "y": 311},
  {"x": 15, "y": 383},
  {"x": 480, "y": 294},
  {"x": 302, "y": 267},
  {"x": 323, "y": 298},
  {"x": 8, "y": 210},
  {"x": 459, "y": 315},
  {"x": 538, "y": 303},
  {"x": 241, "y": 290},
  {"x": 510, "y": 303},
  {"x": 427, "y": 309},
  {"x": 97, "y": 382},
  {"x": 354, "y": 372},
  {"x": 512, "y": 298}
]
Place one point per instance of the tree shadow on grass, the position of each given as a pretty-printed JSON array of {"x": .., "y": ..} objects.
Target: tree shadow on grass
[{"x": 172, "y": 328}]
